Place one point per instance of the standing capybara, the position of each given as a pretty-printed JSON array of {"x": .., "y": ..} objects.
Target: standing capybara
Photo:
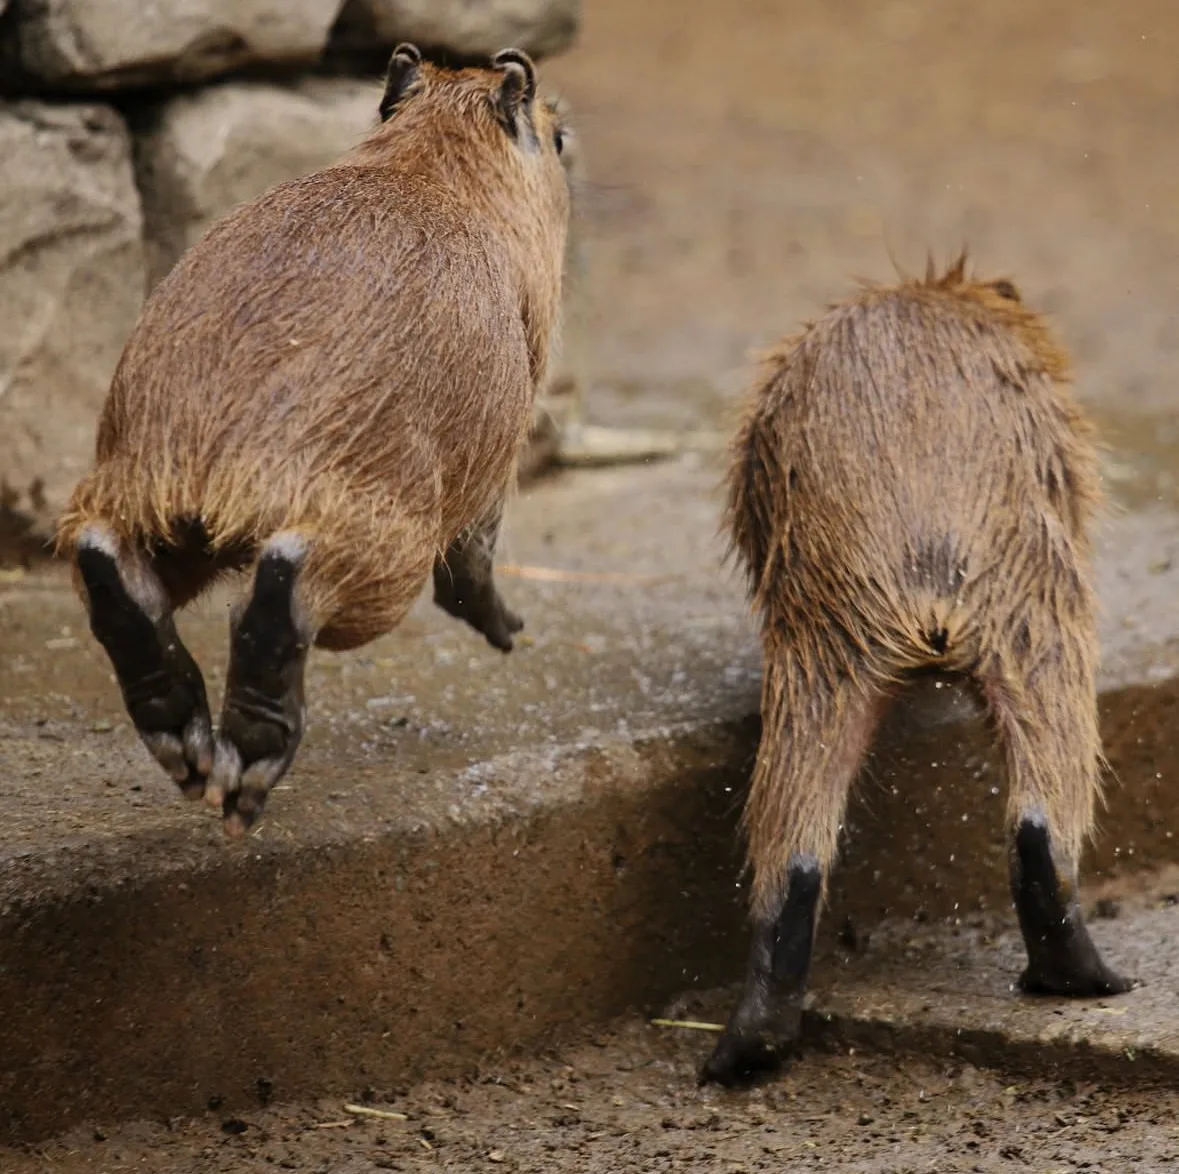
[
  {"x": 330, "y": 387},
  {"x": 910, "y": 489}
]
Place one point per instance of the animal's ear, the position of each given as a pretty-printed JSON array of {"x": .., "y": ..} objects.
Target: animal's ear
[
  {"x": 404, "y": 66},
  {"x": 518, "y": 88}
]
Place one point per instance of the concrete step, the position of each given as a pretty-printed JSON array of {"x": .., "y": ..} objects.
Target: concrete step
[
  {"x": 949, "y": 990},
  {"x": 917, "y": 1057},
  {"x": 474, "y": 853}
]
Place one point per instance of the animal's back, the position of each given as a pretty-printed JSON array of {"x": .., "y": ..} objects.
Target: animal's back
[
  {"x": 349, "y": 335},
  {"x": 918, "y": 460}
]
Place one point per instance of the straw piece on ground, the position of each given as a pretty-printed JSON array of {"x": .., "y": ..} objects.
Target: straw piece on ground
[
  {"x": 557, "y": 575},
  {"x": 383, "y": 1114},
  {"x": 690, "y": 1024}
]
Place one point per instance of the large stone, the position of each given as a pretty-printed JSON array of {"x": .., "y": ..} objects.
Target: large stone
[
  {"x": 71, "y": 283},
  {"x": 110, "y": 43},
  {"x": 208, "y": 151},
  {"x": 462, "y": 28}
]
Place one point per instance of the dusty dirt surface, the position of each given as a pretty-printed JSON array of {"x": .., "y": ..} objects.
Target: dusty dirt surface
[
  {"x": 747, "y": 162},
  {"x": 575, "y": 834},
  {"x": 626, "y": 1101}
]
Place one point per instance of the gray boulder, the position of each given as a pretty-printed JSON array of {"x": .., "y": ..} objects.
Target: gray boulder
[
  {"x": 208, "y": 151},
  {"x": 111, "y": 43},
  {"x": 462, "y": 28},
  {"x": 71, "y": 284}
]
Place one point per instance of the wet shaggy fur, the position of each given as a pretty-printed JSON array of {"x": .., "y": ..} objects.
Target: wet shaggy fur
[
  {"x": 910, "y": 488},
  {"x": 331, "y": 387},
  {"x": 354, "y": 355}
]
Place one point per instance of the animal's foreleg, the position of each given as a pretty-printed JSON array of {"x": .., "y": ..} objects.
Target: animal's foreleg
[{"x": 464, "y": 583}]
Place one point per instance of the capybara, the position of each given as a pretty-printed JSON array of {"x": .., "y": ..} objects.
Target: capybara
[
  {"x": 910, "y": 490},
  {"x": 330, "y": 388}
]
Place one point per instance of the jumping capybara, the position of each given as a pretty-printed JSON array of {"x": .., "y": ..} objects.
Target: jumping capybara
[
  {"x": 910, "y": 489},
  {"x": 330, "y": 387}
]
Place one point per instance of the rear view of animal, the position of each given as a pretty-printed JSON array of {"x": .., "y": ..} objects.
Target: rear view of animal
[
  {"x": 331, "y": 389},
  {"x": 910, "y": 490}
]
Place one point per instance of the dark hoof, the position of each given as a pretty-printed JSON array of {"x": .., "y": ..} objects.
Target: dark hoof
[
  {"x": 252, "y": 754},
  {"x": 183, "y": 746},
  {"x": 490, "y": 617},
  {"x": 1062, "y": 959},
  {"x": 171, "y": 715},
  {"x": 1091, "y": 985},
  {"x": 500, "y": 627},
  {"x": 739, "y": 1061}
]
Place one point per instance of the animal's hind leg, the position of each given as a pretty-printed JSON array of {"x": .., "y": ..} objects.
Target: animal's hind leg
[
  {"x": 816, "y": 731},
  {"x": 464, "y": 583},
  {"x": 131, "y": 617},
  {"x": 1047, "y": 721},
  {"x": 263, "y": 712}
]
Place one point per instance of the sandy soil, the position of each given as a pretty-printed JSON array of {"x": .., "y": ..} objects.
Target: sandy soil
[
  {"x": 627, "y": 1101},
  {"x": 745, "y": 167}
]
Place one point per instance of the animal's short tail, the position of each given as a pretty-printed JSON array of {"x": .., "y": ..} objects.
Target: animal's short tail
[
  {"x": 941, "y": 634},
  {"x": 186, "y": 549},
  {"x": 147, "y": 503}
]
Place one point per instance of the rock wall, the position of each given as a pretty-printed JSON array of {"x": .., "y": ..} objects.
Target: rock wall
[
  {"x": 204, "y": 152},
  {"x": 109, "y": 44},
  {"x": 460, "y": 27},
  {"x": 115, "y": 160},
  {"x": 71, "y": 281}
]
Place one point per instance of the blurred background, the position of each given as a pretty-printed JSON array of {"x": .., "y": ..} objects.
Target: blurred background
[
  {"x": 753, "y": 158},
  {"x": 742, "y": 163}
]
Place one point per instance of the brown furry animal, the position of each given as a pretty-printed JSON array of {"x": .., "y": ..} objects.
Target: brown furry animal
[
  {"x": 331, "y": 386},
  {"x": 910, "y": 490}
]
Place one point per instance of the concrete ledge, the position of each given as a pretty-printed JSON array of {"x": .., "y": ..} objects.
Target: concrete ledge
[
  {"x": 951, "y": 994},
  {"x": 474, "y": 852}
]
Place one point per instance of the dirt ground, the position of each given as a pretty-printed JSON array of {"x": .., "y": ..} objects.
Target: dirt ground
[
  {"x": 627, "y": 1101},
  {"x": 625, "y": 1098},
  {"x": 748, "y": 161}
]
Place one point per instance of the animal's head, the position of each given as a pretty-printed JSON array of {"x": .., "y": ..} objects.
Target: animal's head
[
  {"x": 1004, "y": 308},
  {"x": 478, "y": 116}
]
